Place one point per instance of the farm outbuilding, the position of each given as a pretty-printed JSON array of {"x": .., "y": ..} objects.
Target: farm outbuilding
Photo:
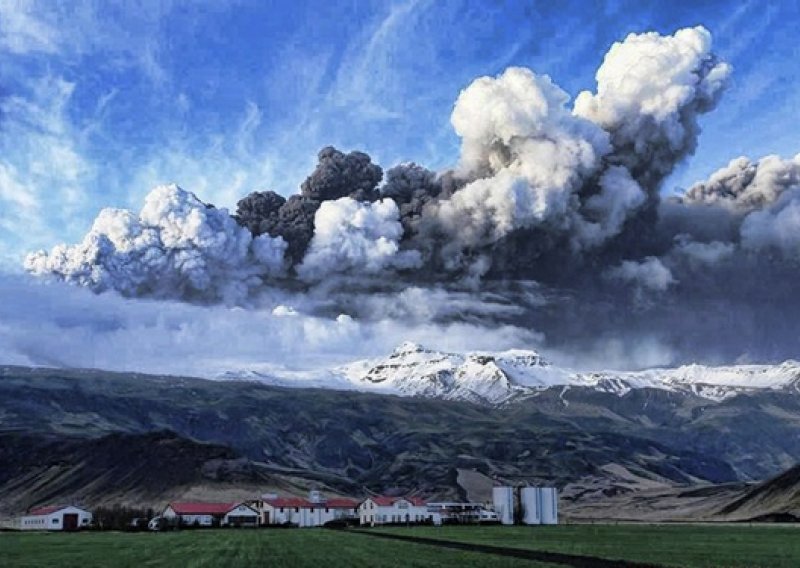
[{"x": 56, "y": 518}]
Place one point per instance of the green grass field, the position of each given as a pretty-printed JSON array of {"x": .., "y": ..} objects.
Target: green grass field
[
  {"x": 666, "y": 545},
  {"x": 669, "y": 545},
  {"x": 231, "y": 549}
]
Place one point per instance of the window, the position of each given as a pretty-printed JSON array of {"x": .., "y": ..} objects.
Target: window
[
  {"x": 327, "y": 510},
  {"x": 281, "y": 509},
  {"x": 297, "y": 509},
  {"x": 55, "y": 521},
  {"x": 312, "y": 509}
]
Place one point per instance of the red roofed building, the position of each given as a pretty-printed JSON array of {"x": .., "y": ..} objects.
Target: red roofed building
[
  {"x": 56, "y": 518},
  {"x": 381, "y": 510},
  {"x": 312, "y": 512},
  {"x": 211, "y": 514}
]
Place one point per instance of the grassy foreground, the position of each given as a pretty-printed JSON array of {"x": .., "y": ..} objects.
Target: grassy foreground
[
  {"x": 232, "y": 548},
  {"x": 667, "y": 545}
]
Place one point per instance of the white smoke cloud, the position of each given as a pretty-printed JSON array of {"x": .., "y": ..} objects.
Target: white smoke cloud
[
  {"x": 744, "y": 185},
  {"x": 356, "y": 236},
  {"x": 649, "y": 274},
  {"x": 650, "y": 91},
  {"x": 533, "y": 163},
  {"x": 527, "y": 150},
  {"x": 177, "y": 247},
  {"x": 518, "y": 119}
]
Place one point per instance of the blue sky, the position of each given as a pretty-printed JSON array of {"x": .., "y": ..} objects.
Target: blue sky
[{"x": 101, "y": 101}]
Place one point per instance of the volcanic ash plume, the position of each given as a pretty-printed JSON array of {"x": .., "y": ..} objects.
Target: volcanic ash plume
[{"x": 552, "y": 220}]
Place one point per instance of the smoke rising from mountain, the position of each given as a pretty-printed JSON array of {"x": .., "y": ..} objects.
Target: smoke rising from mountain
[{"x": 552, "y": 221}]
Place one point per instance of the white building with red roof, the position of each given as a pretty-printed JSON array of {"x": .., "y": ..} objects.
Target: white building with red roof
[
  {"x": 211, "y": 514},
  {"x": 312, "y": 512},
  {"x": 382, "y": 510},
  {"x": 56, "y": 518}
]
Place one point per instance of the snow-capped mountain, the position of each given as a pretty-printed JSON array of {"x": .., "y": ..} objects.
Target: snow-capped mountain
[
  {"x": 498, "y": 377},
  {"x": 413, "y": 370}
]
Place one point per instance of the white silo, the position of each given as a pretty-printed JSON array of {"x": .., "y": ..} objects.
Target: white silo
[
  {"x": 548, "y": 497},
  {"x": 503, "y": 499},
  {"x": 531, "y": 500}
]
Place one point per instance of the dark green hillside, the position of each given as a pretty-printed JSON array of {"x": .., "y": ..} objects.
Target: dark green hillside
[{"x": 352, "y": 442}]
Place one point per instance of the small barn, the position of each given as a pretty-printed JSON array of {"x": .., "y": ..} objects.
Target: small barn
[{"x": 56, "y": 518}]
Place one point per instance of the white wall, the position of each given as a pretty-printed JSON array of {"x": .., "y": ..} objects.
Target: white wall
[
  {"x": 241, "y": 511},
  {"x": 400, "y": 511},
  {"x": 190, "y": 520},
  {"x": 55, "y": 520}
]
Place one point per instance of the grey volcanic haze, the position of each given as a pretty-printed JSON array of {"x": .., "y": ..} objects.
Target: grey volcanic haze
[{"x": 551, "y": 232}]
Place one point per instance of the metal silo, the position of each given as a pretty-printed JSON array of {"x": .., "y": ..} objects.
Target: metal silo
[
  {"x": 531, "y": 498},
  {"x": 503, "y": 499},
  {"x": 549, "y": 505}
]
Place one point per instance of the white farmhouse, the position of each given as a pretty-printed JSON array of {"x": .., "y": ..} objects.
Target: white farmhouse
[
  {"x": 384, "y": 510},
  {"x": 313, "y": 512},
  {"x": 56, "y": 518},
  {"x": 211, "y": 514}
]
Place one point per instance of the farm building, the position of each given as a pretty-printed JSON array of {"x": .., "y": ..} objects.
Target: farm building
[
  {"x": 56, "y": 518},
  {"x": 312, "y": 512},
  {"x": 383, "y": 510},
  {"x": 211, "y": 514}
]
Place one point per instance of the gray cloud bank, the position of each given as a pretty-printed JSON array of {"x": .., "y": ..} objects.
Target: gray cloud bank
[{"x": 551, "y": 224}]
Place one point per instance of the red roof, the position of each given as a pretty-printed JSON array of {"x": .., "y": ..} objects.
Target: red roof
[
  {"x": 383, "y": 501},
  {"x": 291, "y": 502},
  {"x": 202, "y": 508},
  {"x": 47, "y": 510},
  {"x": 341, "y": 504}
]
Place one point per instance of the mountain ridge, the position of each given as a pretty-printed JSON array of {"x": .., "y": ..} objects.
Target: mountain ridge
[{"x": 500, "y": 377}]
